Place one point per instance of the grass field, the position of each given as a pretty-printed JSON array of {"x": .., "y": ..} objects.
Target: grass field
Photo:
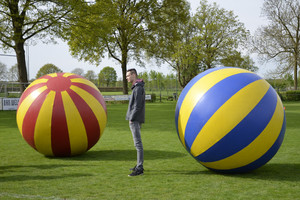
[{"x": 170, "y": 172}]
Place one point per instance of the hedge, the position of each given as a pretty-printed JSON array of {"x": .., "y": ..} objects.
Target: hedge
[{"x": 293, "y": 95}]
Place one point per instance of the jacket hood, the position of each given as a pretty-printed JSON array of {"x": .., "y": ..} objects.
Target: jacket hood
[{"x": 138, "y": 82}]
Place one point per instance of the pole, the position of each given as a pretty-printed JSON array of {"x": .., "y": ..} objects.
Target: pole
[{"x": 27, "y": 47}]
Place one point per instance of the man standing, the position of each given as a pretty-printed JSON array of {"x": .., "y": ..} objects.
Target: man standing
[{"x": 136, "y": 116}]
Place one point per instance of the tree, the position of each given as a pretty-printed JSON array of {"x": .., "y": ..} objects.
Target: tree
[
  {"x": 156, "y": 80},
  {"x": 236, "y": 59},
  {"x": 282, "y": 82},
  {"x": 153, "y": 80},
  {"x": 3, "y": 72},
  {"x": 145, "y": 77},
  {"x": 218, "y": 33},
  {"x": 186, "y": 61},
  {"x": 171, "y": 81},
  {"x": 28, "y": 19},
  {"x": 12, "y": 74},
  {"x": 91, "y": 76},
  {"x": 211, "y": 35},
  {"x": 107, "y": 76},
  {"x": 170, "y": 36},
  {"x": 280, "y": 39},
  {"x": 78, "y": 71},
  {"x": 121, "y": 28},
  {"x": 47, "y": 69}
]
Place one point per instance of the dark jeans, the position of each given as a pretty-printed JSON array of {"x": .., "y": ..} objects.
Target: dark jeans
[{"x": 135, "y": 128}]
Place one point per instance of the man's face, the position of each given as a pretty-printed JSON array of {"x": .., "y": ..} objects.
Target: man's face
[{"x": 129, "y": 77}]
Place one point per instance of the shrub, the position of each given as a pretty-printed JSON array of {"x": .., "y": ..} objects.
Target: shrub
[
  {"x": 153, "y": 97},
  {"x": 293, "y": 95},
  {"x": 282, "y": 96}
]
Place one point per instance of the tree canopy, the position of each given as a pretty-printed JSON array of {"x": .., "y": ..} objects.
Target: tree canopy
[
  {"x": 280, "y": 39},
  {"x": 213, "y": 34},
  {"x": 47, "y": 69},
  {"x": 91, "y": 76},
  {"x": 3, "y": 72},
  {"x": 236, "y": 59},
  {"x": 12, "y": 73},
  {"x": 21, "y": 21},
  {"x": 120, "y": 28},
  {"x": 78, "y": 71},
  {"x": 138, "y": 30},
  {"x": 107, "y": 76}
]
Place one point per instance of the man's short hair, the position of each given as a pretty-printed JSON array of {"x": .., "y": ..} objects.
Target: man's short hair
[{"x": 132, "y": 71}]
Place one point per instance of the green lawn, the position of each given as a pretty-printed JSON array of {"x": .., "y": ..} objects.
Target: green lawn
[{"x": 170, "y": 172}]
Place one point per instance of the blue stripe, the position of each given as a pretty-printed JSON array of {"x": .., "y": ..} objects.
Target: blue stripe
[
  {"x": 245, "y": 132},
  {"x": 187, "y": 89},
  {"x": 212, "y": 100},
  {"x": 262, "y": 160}
]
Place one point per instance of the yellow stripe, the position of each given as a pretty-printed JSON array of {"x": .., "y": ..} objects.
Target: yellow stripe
[
  {"x": 84, "y": 81},
  {"x": 42, "y": 80},
  {"x": 197, "y": 91},
  {"x": 68, "y": 74},
  {"x": 94, "y": 104},
  {"x": 24, "y": 106},
  {"x": 53, "y": 75},
  {"x": 76, "y": 128},
  {"x": 257, "y": 148},
  {"x": 229, "y": 115},
  {"x": 42, "y": 132}
]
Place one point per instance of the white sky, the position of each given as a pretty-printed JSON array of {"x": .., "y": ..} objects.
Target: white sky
[{"x": 248, "y": 12}]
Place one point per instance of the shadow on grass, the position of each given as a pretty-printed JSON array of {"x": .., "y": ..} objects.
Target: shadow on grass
[
  {"x": 13, "y": 178},
  {"x": 276, "y": 171},
  {"x": 13, "y": 168},
  {"x": 272, "y": 171},
  {"x": 12, "y": 173},
  {"x": 124, "y": 155}
]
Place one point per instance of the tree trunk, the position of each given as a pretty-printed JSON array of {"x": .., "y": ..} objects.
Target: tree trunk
[
  {"x": 125, "y": 83},
  {"x": 124, "y": 70},
  {"x": 296, "y": 72},
  {"x": 124, "y": 66},
  {"x": 22, "y": 75}
]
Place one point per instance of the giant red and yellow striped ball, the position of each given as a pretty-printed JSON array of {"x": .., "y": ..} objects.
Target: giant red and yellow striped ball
[
  {"x": 230, "y": 120},
  {"x": 61, "y": 114}
]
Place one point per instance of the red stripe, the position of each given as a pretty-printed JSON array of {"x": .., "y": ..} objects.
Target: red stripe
[
  {"x": 30, "y": 90},
  {"x": 69, "y": 77},
  {"x": 60, "y": 74},
  {"x": 45, "y": 77},
  {"x": 31, "y": 117},
  {"x": 89, "y": 119},
  {"x": 93, "y": 92},
  {"x": 59, "y": 130},
  {"x": 75, "y": 76}
]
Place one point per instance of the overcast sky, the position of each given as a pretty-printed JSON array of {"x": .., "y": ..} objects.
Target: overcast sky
[{"x": 248, "y": 12}]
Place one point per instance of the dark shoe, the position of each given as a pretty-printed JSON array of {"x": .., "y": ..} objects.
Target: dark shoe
[
  {"x": 137, "y": 172},
  {"x": 132, "y": 169}
]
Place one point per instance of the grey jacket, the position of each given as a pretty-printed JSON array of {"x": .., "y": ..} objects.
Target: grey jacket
[{"x": 136, "y": 106}]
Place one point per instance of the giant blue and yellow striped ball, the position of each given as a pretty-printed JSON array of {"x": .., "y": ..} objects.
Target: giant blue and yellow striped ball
[{"x": 230, "y": 120}]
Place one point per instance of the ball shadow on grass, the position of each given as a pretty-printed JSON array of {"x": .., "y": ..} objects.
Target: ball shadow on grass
[{"x": 124, "y": 155}]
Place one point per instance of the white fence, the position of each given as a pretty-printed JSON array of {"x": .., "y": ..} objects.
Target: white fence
[
  {"x": 12, "y": 103},
  {"x": 9, "y": 103},
  {"x": 122, "y": 97}
]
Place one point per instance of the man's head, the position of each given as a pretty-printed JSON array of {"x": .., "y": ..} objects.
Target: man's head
[{"x": 131, "y": 75}]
